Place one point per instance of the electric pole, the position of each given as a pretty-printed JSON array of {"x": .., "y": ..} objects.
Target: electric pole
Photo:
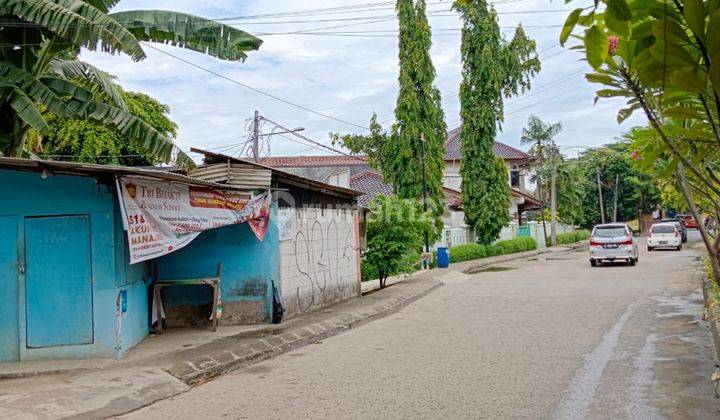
[
  {"x": 256, "y": 136},
  {"x": 425, "y": 206},
  {"x": 553, "y": 201},
  {"x": 602, "y": 206},
  {"x": 615, "y": 199}
]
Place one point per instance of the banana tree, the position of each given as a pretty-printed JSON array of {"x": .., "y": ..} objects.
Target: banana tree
[{"x": 41, "y": 76}]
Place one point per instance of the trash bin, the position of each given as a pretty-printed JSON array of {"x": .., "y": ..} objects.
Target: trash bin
[{"x": 443, "y": 257}]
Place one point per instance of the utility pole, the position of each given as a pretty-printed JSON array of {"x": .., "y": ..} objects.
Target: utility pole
[
  {"x": 602, "y": 206},
  {"x": 256, "y": 136},
  {"x": 425, "y": 206},
  {"x": 615, "y": 199},
  {"x": 553, "y": 201}
]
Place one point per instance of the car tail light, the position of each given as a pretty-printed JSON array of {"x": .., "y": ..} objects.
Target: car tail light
[
  {"x": 627, "y": 241},
  {"x": 593, "y": 242}
]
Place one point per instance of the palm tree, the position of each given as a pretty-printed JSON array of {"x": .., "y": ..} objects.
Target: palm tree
[
  {"x": 541, "y": 136},
  {"x": 40, "y": 75}
]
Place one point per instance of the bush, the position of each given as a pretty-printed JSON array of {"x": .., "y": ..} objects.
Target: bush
[
  {"x": 476, "y": 251},
  {"x": 395, "y": 232},
  {"x": 571, "y": 237}
]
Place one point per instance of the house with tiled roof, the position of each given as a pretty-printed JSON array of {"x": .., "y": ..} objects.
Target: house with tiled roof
[{"x": 340, "y": 171}]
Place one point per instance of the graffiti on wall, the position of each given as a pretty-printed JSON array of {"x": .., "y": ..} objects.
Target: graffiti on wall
[{"x": 324, "y": 257}]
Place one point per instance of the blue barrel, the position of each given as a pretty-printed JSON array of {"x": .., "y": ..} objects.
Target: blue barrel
[{"x": 443, "y": 257}]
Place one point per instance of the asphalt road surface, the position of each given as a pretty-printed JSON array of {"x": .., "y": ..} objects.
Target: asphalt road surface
[{"x": 546, "y": 338}]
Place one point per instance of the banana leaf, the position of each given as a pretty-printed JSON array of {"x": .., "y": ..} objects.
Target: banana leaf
[{"x": 188, "y": 31}]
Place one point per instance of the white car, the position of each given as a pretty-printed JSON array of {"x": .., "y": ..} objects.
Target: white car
[
  {"x": 664, "y": 235},
  {"x": 613, "y": 242}
]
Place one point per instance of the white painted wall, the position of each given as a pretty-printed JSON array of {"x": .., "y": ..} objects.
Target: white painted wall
[{"x": 319, "y": 257}]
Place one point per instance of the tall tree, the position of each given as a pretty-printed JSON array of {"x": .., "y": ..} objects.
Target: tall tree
[
  {"x": 89, "y": 141},
  {"x": 539, "y": 135},
  {"x": 491, "y": 68},
  {"x": 42, "y": 78},
  {"x": 418, "y": 111}
]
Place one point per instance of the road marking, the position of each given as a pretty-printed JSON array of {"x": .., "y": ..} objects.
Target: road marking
[{"x": 582, "y": 391}]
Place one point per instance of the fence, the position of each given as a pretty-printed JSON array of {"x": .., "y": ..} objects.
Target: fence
[{"x": 461, "y": 236}]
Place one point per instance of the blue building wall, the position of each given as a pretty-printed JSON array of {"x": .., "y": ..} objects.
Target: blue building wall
[
  {"x": 249, "y": 269},
  {"x": 26, "y": 194}
]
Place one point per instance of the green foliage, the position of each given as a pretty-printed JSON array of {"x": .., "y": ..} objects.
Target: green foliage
[
  {"x": 637, "y": 192},
  {"x": 372, "y": 145},
  {"x": 42, "y": 79},
  {"x": 418, "y": 111},
  {"x": 92, "y": 142},
  {"x": 395, "y": 232},
  {"x": 491, "y": 68},
  {"x": 476, "y": 251},
  {"x": 571, "y": 237}
]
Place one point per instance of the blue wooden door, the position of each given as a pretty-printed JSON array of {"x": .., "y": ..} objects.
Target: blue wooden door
[
  {"x": 58, "y": 282},
  {"x": 9, "y": 326}
]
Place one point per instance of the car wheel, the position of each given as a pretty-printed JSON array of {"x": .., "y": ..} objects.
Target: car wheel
[
  {"x": 649, "y": 248},
  {"x": 593, "y": 263},
  {"x": 631, "y": 261},
  {"x": 679, "y": 247}
]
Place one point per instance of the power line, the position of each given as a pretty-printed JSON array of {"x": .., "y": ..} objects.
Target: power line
[
  {"x": 433, "y": 13},
  {"x": 311, "y": 141},
  {"x": 269, "y": 95}
]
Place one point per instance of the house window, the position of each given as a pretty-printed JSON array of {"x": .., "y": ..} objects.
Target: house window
[{"x": 515, "y": 179}]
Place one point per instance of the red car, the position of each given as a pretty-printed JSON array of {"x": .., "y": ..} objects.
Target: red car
[{"x": 689, "y": 221}]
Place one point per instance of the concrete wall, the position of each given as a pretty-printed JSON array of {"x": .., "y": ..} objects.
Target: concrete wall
[
  {"x": 319, "y": 257},
  {"x": 26, "y": 194},
  {"x": 249, "y": 269},
  {"x": 451, "y": 175}
]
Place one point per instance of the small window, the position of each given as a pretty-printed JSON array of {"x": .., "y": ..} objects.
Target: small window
[
  {"x": 663, "y": 229},
  {"x": 515, "y": 179},
  {"x": 610, "y": 231}
]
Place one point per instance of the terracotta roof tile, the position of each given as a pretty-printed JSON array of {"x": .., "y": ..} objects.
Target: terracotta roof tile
[
  {"x": 452, "y": 148},
  {"x": 371, "y": 183},
  {"x": 305, "y": 161},
  {"x": 452, "y": 152}
]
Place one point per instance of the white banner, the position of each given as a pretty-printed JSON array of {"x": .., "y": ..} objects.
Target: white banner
[{"x": 162, "y": 217}]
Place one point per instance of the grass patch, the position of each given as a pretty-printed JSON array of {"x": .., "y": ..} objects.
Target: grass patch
[
  {"x": 571, "y": 237},
  {"x": 469, "y": 252}
]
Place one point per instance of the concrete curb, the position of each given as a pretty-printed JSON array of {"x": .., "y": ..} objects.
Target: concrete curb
[
  {"x": 484, "y": 262},
  {"x": 712, "y": 313},
  {"x": 203, "y": 368}
]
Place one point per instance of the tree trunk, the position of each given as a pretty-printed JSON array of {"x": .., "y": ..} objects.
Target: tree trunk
[{"x": 712, "y": 250}]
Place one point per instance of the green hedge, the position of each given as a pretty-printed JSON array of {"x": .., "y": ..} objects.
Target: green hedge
[
  {"x": 475, "y": 251},
  {"x": 571, "y": 238}
]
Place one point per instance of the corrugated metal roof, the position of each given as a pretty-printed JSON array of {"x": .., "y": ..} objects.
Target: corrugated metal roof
[
  {"x": 212, "y": 158},
  {"x": 91, "y": 169}
]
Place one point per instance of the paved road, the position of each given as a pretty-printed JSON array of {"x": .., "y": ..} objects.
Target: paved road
[{"x": 550, "y": 338}]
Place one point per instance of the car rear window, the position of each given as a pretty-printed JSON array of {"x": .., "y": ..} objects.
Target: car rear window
[
  {"x": 609, "y": 232},
  {"x": 663, "y": 229}
]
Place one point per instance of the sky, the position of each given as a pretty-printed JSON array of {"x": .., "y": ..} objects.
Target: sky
[{"x": 350, "y": 77}]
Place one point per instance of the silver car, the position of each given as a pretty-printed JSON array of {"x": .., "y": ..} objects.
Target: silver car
[{"x": 613, "y": 242}]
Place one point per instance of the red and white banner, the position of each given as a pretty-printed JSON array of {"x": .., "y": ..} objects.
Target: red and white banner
[{"x": 162, "y": 217}]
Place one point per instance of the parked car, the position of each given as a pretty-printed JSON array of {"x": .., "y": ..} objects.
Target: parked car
[
  {"x": 680, "y": 226},
  {"x": 664, "y": 235},
  {"x": 612, "y": 242},
  {"x": 689, "y": 221}
]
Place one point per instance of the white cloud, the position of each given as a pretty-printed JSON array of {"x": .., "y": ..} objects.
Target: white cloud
[{"x": 346, "y": 77}]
